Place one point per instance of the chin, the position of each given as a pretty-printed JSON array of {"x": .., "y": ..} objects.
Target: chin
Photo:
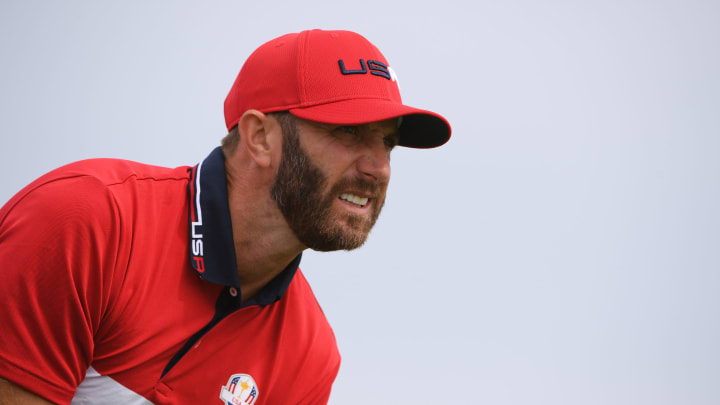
[{"x": 340, "y": 238}]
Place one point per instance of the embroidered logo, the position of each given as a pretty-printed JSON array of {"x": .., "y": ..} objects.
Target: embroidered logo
[
  {"x": 375, "y": 67},
  {"x": 240, "y": 390},
  {"x": 196, "y": 222}
]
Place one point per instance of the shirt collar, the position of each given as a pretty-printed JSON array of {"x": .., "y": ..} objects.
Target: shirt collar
[{"x": 212, "y": 250}]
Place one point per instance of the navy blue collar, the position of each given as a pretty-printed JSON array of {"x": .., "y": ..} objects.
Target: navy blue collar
[{"x": 212, "y": 251}]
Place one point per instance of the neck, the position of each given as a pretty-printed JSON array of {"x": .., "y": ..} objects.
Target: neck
[{"x": 264, "y": 244}]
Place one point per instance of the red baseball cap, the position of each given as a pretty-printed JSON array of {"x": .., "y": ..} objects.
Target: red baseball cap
[{"x": 333, "y": 77}]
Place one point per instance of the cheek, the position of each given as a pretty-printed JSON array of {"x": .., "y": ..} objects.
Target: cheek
[{"x": 336, "y": 162}]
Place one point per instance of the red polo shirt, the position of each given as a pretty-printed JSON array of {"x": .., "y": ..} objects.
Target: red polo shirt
[{"x": 118, "y": 284}]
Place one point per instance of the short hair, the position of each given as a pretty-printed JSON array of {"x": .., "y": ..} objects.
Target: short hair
[
  {"x": 288, "y": 124},
  {"x": 230, "y": 142}
]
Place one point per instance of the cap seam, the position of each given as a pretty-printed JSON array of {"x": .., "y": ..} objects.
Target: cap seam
[
  {"x": 303, "y": 40},
  {"x": 336, "y": 99},
  {"x": 316, "y": 103}
]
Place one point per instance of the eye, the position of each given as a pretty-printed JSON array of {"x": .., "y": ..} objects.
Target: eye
[
  {"x": 348, "y": 129},
  {"x": 347, "y": 134},
  {"x": 391, "y": 141}
]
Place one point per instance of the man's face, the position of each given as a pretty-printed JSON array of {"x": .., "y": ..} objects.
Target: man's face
[{"x": 331, "y": 186}]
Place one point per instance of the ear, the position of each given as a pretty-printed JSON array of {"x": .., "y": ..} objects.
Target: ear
[{"x": 256, "y": 136}]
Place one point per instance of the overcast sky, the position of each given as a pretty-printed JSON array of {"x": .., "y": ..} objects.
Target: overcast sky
[{"x": 562, "y": 248}]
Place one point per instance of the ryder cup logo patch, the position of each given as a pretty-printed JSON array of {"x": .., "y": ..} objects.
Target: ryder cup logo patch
[{"x": 240, "y": 390}]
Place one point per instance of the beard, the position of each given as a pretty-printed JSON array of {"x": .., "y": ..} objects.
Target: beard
[{"x": 298, "y": 192}]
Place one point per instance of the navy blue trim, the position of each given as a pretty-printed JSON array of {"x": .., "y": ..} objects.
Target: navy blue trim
[
  {"x": 212, "y": 237},
  {"x": 276, "y": 288},
  {"x": 224, "y": 306}
]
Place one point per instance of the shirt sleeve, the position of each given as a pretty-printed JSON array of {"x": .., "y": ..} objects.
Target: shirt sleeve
[
  {"x": 320, "y": 392},
  {"x": 58, "y": 248}
]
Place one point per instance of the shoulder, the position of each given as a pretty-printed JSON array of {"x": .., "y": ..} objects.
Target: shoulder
[
  {"x": 301, "y": 290},
  {"x": 115, "y": 171},
  {"x": 309, "y": 318},
  {"x": 85, "y": 187}
]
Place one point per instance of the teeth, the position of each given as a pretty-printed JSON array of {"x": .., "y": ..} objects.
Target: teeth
[{"x": 361, "y": 201}]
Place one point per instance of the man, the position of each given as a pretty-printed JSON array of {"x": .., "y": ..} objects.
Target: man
[{"x": 129, "y": 283}]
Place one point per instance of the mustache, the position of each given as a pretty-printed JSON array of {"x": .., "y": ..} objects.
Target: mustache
[{"x": 357, "y": 185}]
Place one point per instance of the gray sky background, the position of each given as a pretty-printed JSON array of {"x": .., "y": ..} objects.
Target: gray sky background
[{"x": 563, "y": 248}]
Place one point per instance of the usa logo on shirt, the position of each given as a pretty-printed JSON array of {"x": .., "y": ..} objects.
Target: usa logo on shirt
[{"x": 240, "y": 390}]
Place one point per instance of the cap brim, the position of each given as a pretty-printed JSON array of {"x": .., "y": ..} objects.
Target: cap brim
[{"x": 418, "y": 129}]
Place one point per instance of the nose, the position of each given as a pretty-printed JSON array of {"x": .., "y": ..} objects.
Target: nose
[{"x": 375, "y": 160}]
